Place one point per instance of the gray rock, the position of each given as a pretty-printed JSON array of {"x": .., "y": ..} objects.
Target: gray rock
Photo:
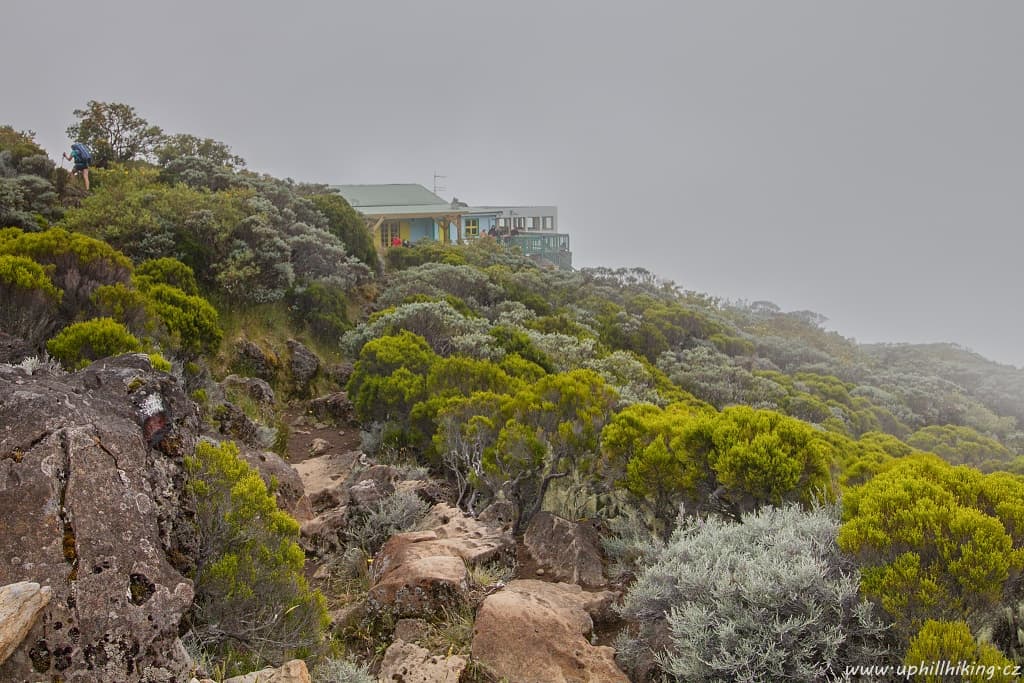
[
  {"x": 250, "y": 359},
  {"x": 303, "y": 365},
  {"x": 13, "y": 349},
  {"x": 253, "y": 387},
  {"x": 335, "y": 408},
  {"x": 232, "y": 422},
  {"x": 410, "y": 630},
  {"x": 90, "y": 496},
  {"x": 291, "y": 496},
  {"x": 568, "y": 551},
  {"x": 318, "y": 447}
]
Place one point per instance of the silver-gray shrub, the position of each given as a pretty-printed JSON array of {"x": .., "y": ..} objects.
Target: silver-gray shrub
[
  {"x": 435, "y": 321},
  {"x": 770, "y": 598},
  {"x": 440, "y": 279},
  {"x": 397, "y": 512},
  {"x": 341, "y": 671}
]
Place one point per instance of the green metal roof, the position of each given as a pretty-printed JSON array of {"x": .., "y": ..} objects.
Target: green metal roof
[{"x": 407, "y": 198}]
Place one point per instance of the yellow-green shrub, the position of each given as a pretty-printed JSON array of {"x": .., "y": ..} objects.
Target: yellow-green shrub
[
  {"x": 249, "y": 580},
  {"x": 29, "y": 299},
  {"x": 77, "y": 345}
]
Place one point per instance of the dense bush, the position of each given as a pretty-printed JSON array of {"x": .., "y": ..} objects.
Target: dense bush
[
  {"x": 322, "y": 307},
  {"x": 939, "y": 643},
  {"x": 30, "y": 301},
  {"x": 81, "y": 343},
  {"x": 936, "y": 541},
  {"x": 250, "y": 589},
  {"x": 769, "y": 598}
]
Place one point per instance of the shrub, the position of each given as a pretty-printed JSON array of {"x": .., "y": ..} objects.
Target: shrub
[
  {"x": 81, "y": 264},
  {"x": 249, "y": 583},
  {"x": 936, "y": 541},
  {"x": 77, "y": 345},
  {"x": 191, "y": 320},
  {"x": 769, "y": 598},
  {"x": 341, "y": 671},
  {"x": 29, "y": 298},
  {"x": 397, "y": 512},
  {"x": 323, "y": 308},
  {"x": 168, "y": 271},
  {"x": 939, "y": 642}
]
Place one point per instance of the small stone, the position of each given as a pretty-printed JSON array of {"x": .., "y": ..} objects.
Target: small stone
[
  {"x": 540, "y": 571},
  {"x": 319, "y": 447}
]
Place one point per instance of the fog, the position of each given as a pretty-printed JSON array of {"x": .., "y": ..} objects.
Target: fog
[{"x": 863, "y": 160}]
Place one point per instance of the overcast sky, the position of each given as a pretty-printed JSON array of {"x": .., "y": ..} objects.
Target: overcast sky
[{"x": 861, "y": 159}]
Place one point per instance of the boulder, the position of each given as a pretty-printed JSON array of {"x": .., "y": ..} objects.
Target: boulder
[
  {"x": 325, "y": 532},
  {"x": 250, "y": 359},
  {"x": 370, "y": 486},
  {"x": 567, "y": 551},
  {"x": 253, "y": 387},
  {"x": 303, "y": 365},
  {"x": 411, "y": 630},
  {"x": 20, "y": 604},
  {"x": 335, "y": 408},
  {"x": 90, "y": 494},
  {"x": 293, "y": 671},
  {"x": 409, "y": 663},
  {"x": 339, "y": 372},
  {"x": 324, "y": 479},
  {"x": 234, "y": 423},
  {"x": 535, "y": 631},
  {"x": 291, "y": 495},
  {"x": 417, "y": 573}
]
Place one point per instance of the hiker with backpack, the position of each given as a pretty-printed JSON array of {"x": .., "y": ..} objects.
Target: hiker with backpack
[{"x": 82, "y": 157}]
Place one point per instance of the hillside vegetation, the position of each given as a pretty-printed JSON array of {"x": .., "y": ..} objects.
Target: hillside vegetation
[{"x": 763, "y": 485}]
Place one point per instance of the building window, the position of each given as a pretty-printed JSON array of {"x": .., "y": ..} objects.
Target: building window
[
  {"x": 549, "y": 223},
  {"x": 389, "y": 230},
  {"x": 519, "y": 222},
  {"x": 472, "y": 227}
]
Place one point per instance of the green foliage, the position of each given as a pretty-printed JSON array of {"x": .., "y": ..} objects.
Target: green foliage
[
  {"x": 114, "y": 132},
  {"x": 552, "y": 431},
  {"x": 349, "y": 226},
  {"x": 182, "y": 145},
  {"x": 167, "y": 271},
  {"x": 190, "y": 320},
  {"x": 341, "y": 671},
  {"x": 159, "y": 362},
  {"x": 935, "y": 541},
  {"x": 959, "y": 445},
  {"x": 390, "y": 377},
  {"x": 519, "y": 343},
  {"x": 323, "y": 308},
  {"x": 81, "y": 343},
  {"x": 370, "y": 529},
  {"x": 249, "y": 583},
  {"x": 424, "y": 251},
  {"x": 769, "y": 598},
  {"x": 939, "y": 642},
  {"x": 731, "y": 462},
  {"x": 30, "y": 301},
  {"x": 80, "y": 263}
]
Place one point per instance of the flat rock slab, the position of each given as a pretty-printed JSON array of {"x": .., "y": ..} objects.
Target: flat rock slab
[
  {"x": 409, "y": 663},
  {"x": 536, "y": 632},
  {"x": 568, "y": 551},
  {"x": 293, "y": 671}
]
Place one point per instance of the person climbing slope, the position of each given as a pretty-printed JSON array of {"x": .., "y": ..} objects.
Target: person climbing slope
[{"x": 82, "y": 157}]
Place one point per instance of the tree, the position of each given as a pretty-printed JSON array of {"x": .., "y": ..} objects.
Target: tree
[
  {"x": 184, "y": 145},
  {"x": 114, "y": 132},
  {"x": 552, "y": 430}
]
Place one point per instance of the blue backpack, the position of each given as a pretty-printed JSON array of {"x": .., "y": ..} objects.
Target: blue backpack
[{"x": 82, "y": 152}]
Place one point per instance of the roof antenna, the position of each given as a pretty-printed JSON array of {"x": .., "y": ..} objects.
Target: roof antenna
[{"x": 438, "y": 188}]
